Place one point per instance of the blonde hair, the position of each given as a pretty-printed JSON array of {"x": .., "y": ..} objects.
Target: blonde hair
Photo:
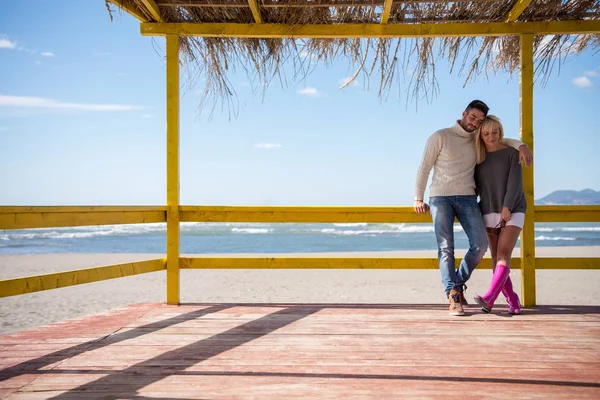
[{"x": 489, "y": 123}]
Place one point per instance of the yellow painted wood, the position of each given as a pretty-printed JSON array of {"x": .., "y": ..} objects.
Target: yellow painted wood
[
  {"x": 528, "y": 232},
  {"x": 314, "y": 263},
  {"x": 130, "y": 9},
  {"x": 80, "y": 209},
  {"x": 13, "y": 287},
  {"x": 52, "y": 219},
  {"x": 567, "y": 263},
  {"x": 567, "y": 213},
  {"x": 301, "y": 214},
  {"x": 153, "y": 9},
  {"x": 517, "y": 9},
  {"x": 173, "y": 235},
  {"x": 255, "y": 11},
  {"x": 387, "y": 8},
  {"x": 369, "y": 30},
  {"x": 27, "y": 217}
]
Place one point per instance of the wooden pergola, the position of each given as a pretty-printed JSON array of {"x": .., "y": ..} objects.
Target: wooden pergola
[{"x": 269, "y": 19}]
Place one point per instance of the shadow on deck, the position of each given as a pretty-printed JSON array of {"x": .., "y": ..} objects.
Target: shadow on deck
[{"x": 196, "y": 351}]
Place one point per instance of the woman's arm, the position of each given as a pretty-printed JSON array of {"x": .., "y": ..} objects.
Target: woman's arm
[{"x": 514, "y": 183}]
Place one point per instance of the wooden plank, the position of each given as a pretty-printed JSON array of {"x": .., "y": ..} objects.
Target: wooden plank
[
  {"x": 307, "y": 351},
  {"x": 23, "y": 219},
  {"x": 153, "y": 9},
  {"x": 130, "y": 9},
  {"x": 583, "y": 213},
  {"x": 17, "y": 286},
  {"x": 173, "y": 173},
  {"x": 387, "y": 8},
  {"x": 517, "y": 9},
  {"x": 255, "y": 8},
  {"x": 338, "y": 31},
  {"x": 527, "y": 239}
]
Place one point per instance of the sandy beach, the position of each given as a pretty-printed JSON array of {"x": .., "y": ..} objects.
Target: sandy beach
[{"x": 555, "y": 287}]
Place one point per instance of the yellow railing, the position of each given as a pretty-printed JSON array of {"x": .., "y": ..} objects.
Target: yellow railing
[{"x": 44, "y": 217}]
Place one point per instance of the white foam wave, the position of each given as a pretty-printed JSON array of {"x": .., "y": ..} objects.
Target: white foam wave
[
  {"x": 251, "y": 230},
  {"x": 350, "y": 224},
  {"x": 569, "y": 229},
  {"x": 554, "y": 238}
]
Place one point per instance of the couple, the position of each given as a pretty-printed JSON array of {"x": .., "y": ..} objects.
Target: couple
[{"x": 469, "y": 159}]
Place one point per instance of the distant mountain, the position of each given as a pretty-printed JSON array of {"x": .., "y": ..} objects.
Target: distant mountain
[{"x": 585, "y": 196}]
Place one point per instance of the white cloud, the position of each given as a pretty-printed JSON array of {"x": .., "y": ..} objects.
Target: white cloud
[
  {"x": 583, "y": 81},
  {"x": 346, "y": 82},
  {"x": 39, "y": 102},
  {"x": 307, "y": 54},
  {"x": 267, "y": 146},
  {"x": 309, "y": 91},
  {"x": 7, "y": 44},
  {"x": 47, "y": 54},
  {"x": 593, "y": 74}
]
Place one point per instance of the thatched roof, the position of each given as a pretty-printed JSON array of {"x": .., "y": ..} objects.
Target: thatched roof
[{"x": 386, "y": 58}]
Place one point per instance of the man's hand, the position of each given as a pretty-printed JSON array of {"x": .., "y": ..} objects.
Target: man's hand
[
  {"x": 420, "y": 207},
  {"x": 525, "y": 155}
]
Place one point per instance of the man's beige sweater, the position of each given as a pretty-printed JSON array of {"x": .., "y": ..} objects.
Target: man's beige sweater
[{"x": 451, "y": 154}]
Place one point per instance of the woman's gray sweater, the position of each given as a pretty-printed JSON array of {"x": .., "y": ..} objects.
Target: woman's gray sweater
[{"x": 500, "y": 183}]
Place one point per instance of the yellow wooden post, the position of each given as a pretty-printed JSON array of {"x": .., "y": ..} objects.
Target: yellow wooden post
[
  {"x": 527, "y": 235},
  {"x": 172, "y": 169}
]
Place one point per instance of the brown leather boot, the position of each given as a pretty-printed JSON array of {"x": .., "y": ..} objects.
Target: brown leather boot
[{"x": 455, "y": 308}]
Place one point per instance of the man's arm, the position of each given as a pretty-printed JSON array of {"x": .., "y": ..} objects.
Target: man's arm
[
  {"x": 524, "y": 152},
  {"x": 432, "y": 150}
]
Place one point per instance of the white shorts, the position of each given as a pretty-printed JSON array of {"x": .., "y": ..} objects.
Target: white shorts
[{"x": 492, "y": 220}]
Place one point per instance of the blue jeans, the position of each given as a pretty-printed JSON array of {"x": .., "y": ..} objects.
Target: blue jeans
[{"x": 443, "y": 211}]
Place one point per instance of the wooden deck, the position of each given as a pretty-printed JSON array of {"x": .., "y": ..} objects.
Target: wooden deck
[{"x": 282, "y": 351}]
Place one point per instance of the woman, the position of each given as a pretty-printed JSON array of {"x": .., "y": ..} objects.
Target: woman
[{"x": 502, "y": 202}]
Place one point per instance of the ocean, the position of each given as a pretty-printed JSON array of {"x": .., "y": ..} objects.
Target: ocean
[{"x": 202, "y": 238}]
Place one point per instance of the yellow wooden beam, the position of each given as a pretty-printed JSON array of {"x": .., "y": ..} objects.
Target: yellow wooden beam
[
  {"x": 13, "y": 287},
  {"x": 387, "y": 8},
  {"x": 255, "y": 8},
  {"x": 567, "y": 263},
  {"x": 208, "y": 262},
  {"x": 173, "y": 234},
  {"x": 567, "y": 213},
  {"x": 369, "y": 30},
  {"x": 153, "y": 9},
  {"x": 528, "y": 232},
  {"x": 54, "y": 217},
  {"x": 308, "y": 262},
  {"x": 26, "y": 217},
  {"x": 130, "y": 9},
  {"x": 517, "y": 9},
  {"x": 301, "y": 214}
]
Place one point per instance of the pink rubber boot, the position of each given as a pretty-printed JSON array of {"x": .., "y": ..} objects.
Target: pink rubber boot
[
  {"x": 501, "y": 273},
  {"x": 514, "y": 306}
]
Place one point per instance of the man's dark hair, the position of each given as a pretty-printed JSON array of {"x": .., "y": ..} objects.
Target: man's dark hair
[{"x": 479, "y": 105}]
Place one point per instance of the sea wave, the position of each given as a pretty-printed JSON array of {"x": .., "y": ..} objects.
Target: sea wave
[
  {"x": 251, "y": 230},
  {"x": 555, "y": 238},
  {"x": 222, "y": 229}
]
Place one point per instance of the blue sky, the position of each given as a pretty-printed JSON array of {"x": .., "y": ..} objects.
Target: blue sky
[{"x": 82, "y": 121}]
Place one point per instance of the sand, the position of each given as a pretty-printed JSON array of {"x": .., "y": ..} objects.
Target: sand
[{"x": 555, "y": 287}]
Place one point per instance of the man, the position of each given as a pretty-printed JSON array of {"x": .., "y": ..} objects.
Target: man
[{"x": 451, "y": 154}]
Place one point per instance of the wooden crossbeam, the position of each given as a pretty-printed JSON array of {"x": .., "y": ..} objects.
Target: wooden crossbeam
[
  {"x": 370, "y": 30},
  {"x": 387, "y": 8},
  {"x": 134, "y": 11},
  {"x": 153, "y": 9},
  {"x": 255, "y": 8},
  {"x": 517, "y": 10}
]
